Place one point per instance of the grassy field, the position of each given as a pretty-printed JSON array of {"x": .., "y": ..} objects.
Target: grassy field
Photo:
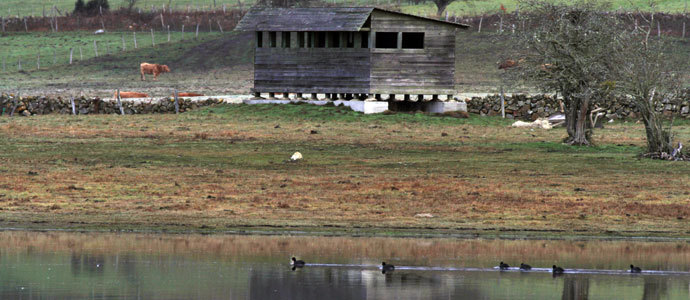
[
  {"x": 222, "y": 168},
  {"x": 215, "y": 63},
  {"x": 463, "y": 8}
]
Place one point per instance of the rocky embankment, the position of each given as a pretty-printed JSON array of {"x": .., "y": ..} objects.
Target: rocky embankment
[
  {"x": 532, "y": 107},
  {"x": 27, "y": 106}
]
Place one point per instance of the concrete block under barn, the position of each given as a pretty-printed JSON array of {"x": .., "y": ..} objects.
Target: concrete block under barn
[{"x": 352, "y": 54}]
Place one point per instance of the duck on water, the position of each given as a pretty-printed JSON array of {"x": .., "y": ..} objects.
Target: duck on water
[{"x": 296, "y": 263}]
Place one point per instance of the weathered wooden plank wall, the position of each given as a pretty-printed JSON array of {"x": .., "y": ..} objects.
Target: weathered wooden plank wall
[
  {"x": 413, "y": 71},
  {"x": 311, "y": 70}
]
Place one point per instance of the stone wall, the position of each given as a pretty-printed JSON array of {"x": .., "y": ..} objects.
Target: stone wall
[
  {"x": 531, "y": 107},
  {"x": 42, "y": 105}
]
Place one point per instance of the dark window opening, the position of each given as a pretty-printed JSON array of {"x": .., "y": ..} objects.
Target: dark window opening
[
  {"x": 300, "y": 40},
  {"x": 285, "y": 40},
  {"x": 272, "y": 39},
  {"x": 259, "y": 39},
  {"x": 413, "y": 40},
  {"x": 350, "y": 39},
  {"x": 310, "y": 40},
  {"x": 320, "y": 40},
  {"x": 365, "y": 39},
  {"x": 334, "y": 38},
  {"x": 387, "y": 40}
]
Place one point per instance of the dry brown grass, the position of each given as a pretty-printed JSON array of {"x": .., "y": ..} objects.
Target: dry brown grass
[{"x": 218, "y": 171}]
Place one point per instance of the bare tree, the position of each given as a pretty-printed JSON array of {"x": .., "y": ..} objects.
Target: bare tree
[
  {"x": 645, "y": 75},
  {"x": 570, "y": 52},
  {"x": 131, "y": 4},
  {"x": 441, "y": 6}
]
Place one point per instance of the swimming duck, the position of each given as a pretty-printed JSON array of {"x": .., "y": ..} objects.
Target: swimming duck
[
  {"x": 503, "y": 266},
  {"x": 634, "y": 269},
  {"x": 386, "y": 268},
  {"x": 525, "y": 267},
  {"x": 557, "y": 270},
  {"x": 297, "y": 263}
]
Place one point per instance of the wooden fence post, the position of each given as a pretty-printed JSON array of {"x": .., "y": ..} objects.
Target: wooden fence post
[
  {"x": 220, "y": 27},
  {"x": 124, "y": 48},
  {"x": 119, "y": 103},
  {"x": 210, "y": 28},
  {"x": 2, "y": 20},
  {"x": 135, "y": 39},
  {"x": 71, "y": 50},
  {"x": 197, "y": 31},
  {"x": 81, "y": 55},
  {"x": 95, "y": 48},
  {"x": 177, "y": 103},
  {"x": 683, "y": 29},
  {"x": 15, "y": 102},
  {"x": 503, "y": 103},
  {"x": 479, "y": 30},
  {"x": 26, "y": 27},
  {"x": 38, "y": 61},
  {"x": 658, "y": 29},
  {"x": 19, "y": 64},
  {"x": 162, "y": 23},
  {"x": 168, "y": 33},
  {"x": 74, "y": 108},
  {"x": 153, "y": 40},
  {"x": 182, "y": 31}
]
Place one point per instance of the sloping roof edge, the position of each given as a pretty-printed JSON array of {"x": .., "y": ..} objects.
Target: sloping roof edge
[
  {"x": 463, "y": 26},
  {"x": 252, "y": 20}
]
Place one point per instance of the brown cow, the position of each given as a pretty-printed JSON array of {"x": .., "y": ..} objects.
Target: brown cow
[
  {"x": 509, "y": 63},
  {"x": 131, "y": 95},
  {"x": 155, "y": 69}
]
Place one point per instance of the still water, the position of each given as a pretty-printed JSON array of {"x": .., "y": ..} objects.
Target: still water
[{"x": 55, "y": 265}]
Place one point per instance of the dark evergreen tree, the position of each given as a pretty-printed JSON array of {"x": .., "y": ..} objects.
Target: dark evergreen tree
[{"x": 79, "y": 6}]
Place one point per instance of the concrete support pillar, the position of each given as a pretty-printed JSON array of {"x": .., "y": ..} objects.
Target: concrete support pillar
[
  {"x": 299, "y": 96},
  {"x": 272, "y": 96},
  {"x": 434, "y": 97},
  {"x": 407, "y": 97},
  {"x": 313, "y": 97},
  {"x": 257, "y": 95}
]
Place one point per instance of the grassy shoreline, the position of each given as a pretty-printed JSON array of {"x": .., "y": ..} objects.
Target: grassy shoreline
[{"x": 218, "y": 169}]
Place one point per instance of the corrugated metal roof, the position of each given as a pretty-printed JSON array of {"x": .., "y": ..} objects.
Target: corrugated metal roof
[{"x": 313, "y": 19}]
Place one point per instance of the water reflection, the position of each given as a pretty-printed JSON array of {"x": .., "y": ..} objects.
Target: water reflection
[{"x": 149, "y": 266}]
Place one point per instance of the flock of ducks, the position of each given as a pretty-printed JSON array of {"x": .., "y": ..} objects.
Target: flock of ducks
[{"x": 556, "y": 270}]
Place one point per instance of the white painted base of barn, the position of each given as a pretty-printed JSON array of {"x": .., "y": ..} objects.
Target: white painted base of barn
[{"x": 366, "y": 107}]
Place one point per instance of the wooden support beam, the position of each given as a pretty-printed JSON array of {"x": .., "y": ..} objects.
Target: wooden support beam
[{"x": 294, "y": 40}]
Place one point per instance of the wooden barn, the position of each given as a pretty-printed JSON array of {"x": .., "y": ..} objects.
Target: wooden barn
[{"x": 351, "y": 53}]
